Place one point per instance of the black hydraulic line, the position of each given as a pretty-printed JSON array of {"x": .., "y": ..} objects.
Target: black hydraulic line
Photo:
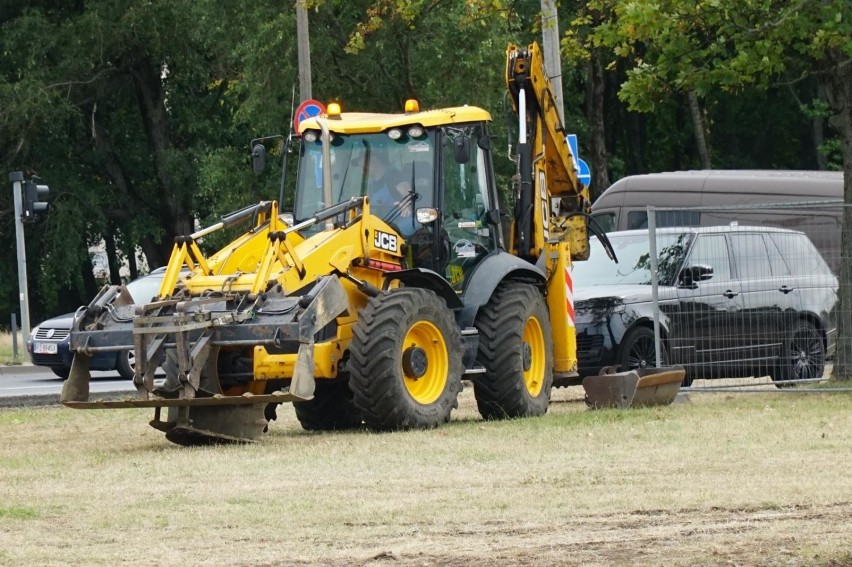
[
  {"x": 338, "y": 209},
  {"x": 596, "y": 229},
  {"x": 244, "y": 213},
  {"x": 525, "y": 200}
]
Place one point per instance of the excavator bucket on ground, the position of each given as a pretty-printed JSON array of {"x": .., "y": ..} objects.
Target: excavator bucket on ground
[{"x": 633, "y": 388}]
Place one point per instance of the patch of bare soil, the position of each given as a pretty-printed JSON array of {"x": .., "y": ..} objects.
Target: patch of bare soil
[{"x": 770, "y": 536}]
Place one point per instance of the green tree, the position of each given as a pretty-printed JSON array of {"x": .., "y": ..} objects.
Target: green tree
[
  {"x": 120, "y": 107},
  {"x": 730, "y": 46}
]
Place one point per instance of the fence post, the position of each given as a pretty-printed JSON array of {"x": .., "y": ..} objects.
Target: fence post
[
  {"x": 14, "y": 337},
  {"x": 655, "y": 282}
]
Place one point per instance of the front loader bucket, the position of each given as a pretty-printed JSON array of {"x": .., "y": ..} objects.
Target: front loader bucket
[
  {"x": 633, "y": 388},
  {"x": 76, "y": 386}
]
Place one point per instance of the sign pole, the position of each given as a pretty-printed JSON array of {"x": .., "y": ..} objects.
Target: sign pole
[
  {"x": 17, "y": 179},
  {"x": 303, "y": 46}
]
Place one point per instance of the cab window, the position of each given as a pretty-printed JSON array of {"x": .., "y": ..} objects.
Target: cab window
[{"x": 466, "y": 202}]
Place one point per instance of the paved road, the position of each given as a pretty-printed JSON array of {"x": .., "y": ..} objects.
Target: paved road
[{"x": 27, "y": 385}]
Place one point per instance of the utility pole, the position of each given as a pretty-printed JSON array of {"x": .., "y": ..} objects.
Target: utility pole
[
  {"x": 550, "y": 48},
  {"x": 17, "y": 179},
  {"x": 304, "y": 49}
]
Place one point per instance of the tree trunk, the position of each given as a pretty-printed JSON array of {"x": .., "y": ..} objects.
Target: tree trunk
[
  {"x": 112, "y": 258},
  {"x": 87, "y": 273},
  {"x": 149, "y": 94},
  {"x": 131, "y": 264},
  {"x": 698, "y": 127},
  {"x": 633, "y": 129},
  {"x": 129, "y": 198},
  {"x": 818, "y": 133},
  {"x": 838, "y": 91},
  {"x": 595, "y": 93}
]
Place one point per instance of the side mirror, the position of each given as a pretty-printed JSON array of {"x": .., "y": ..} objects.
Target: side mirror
[
  {"x": 426, "y": 215},
  {"x": 461, "y": 149},
  {"x": 696, "y": 273},
  {"x": 484, "y": 143},
  {"x": 258, "y": 158}
]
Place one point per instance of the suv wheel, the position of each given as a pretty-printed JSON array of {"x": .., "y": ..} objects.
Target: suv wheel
[
  {"x": 802, "y": 356},
  {"x": 126, "y": 364}
]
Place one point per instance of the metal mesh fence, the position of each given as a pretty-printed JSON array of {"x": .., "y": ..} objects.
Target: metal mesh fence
[
  {"x": 747, "y": 296},
  {"x": 743, "y": 297}
]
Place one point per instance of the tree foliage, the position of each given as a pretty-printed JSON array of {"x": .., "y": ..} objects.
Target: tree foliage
[{"x": 139, "y": 114}]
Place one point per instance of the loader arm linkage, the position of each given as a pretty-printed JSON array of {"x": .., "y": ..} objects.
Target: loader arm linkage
[{"x": 196, "y": 328}]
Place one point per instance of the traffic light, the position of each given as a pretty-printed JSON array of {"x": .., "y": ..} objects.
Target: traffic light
[{"x": 33, "y": 205}]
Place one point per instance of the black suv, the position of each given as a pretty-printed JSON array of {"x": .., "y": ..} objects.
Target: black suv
[{"x": 734, "y": 301}]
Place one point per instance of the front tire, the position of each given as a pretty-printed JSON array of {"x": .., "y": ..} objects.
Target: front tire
[
  {"x": 516, "y": 349},
  {"x": 802, "y": 357},
  {"x": 405, "y": 361},
  {"x": 126, "y": 364},
  {"x": 331, "y": 409},
  {"x": 639, "y": 350},
  {"x": 62, "y": 372}
]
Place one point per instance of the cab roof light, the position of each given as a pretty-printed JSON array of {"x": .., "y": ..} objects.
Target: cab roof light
[{"x": 412, "y": 106}]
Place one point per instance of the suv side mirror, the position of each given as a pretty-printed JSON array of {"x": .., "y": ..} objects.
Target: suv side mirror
[{"x": 696, "y": 273}]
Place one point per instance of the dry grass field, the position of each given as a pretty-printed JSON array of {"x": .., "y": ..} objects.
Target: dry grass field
[
  {"x": 725, "y": 479},
  {"x": 7, "y": 350}
]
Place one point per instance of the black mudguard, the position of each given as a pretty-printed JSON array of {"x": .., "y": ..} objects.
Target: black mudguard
[{"x": 482, "y": 282}]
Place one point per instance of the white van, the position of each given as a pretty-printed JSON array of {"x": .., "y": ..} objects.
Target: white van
[{"x": 733, "y": 194}]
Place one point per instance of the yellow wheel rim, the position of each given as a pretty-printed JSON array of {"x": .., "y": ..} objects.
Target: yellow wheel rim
[
  {"x": 425, "y": 364},
  {"x": 534, "y": 355}
]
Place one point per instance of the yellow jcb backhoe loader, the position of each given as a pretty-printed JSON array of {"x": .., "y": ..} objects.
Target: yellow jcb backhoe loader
[{"x": 392, "y": 283}]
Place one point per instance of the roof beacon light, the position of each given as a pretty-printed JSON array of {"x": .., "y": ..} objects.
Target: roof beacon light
[
  {"x": 411, "y": 106},
  {"x": 333, "y": 110}
]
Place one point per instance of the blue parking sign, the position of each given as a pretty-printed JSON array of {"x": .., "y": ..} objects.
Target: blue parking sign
[{"x": 584, "y": 174}]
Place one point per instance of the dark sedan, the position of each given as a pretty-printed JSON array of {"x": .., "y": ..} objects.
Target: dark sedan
[
  {"x": 49, "y": 343},
  {"x": 734, "y": 301}
]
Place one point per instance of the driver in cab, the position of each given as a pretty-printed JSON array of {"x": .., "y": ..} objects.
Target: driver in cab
[{"x": 387, "y": 190}]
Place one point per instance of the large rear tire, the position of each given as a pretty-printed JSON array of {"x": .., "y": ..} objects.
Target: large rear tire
[
  {"x": 405, "y": 361},
  {"x": 331, "y": 409},
  {"x": 516, "y": 349}
]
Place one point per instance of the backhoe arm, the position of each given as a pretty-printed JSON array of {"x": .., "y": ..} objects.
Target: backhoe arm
[{"x": 551, "y": 202}]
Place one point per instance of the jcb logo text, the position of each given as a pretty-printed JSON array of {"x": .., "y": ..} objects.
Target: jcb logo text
[{"x": 385, "y": 241}]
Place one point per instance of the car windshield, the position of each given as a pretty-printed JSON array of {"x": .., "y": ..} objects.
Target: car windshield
[
  {"x": 145, "y": 288},
  {"x": 634, "y": 265}
]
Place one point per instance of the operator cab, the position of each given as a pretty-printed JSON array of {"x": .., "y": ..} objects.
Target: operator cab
[{"x": 397, "y": 169}]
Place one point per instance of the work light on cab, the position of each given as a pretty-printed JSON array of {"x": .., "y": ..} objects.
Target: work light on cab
[
  {"x": 333, "y": 110},
  {"x": 411, "y": 106}
]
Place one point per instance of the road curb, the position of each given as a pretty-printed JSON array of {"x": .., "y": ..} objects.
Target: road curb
[
  {"x": 51, "y": 400},
  {"x": 22, "y": 369},
  {"x": 11, "y": 402}
]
